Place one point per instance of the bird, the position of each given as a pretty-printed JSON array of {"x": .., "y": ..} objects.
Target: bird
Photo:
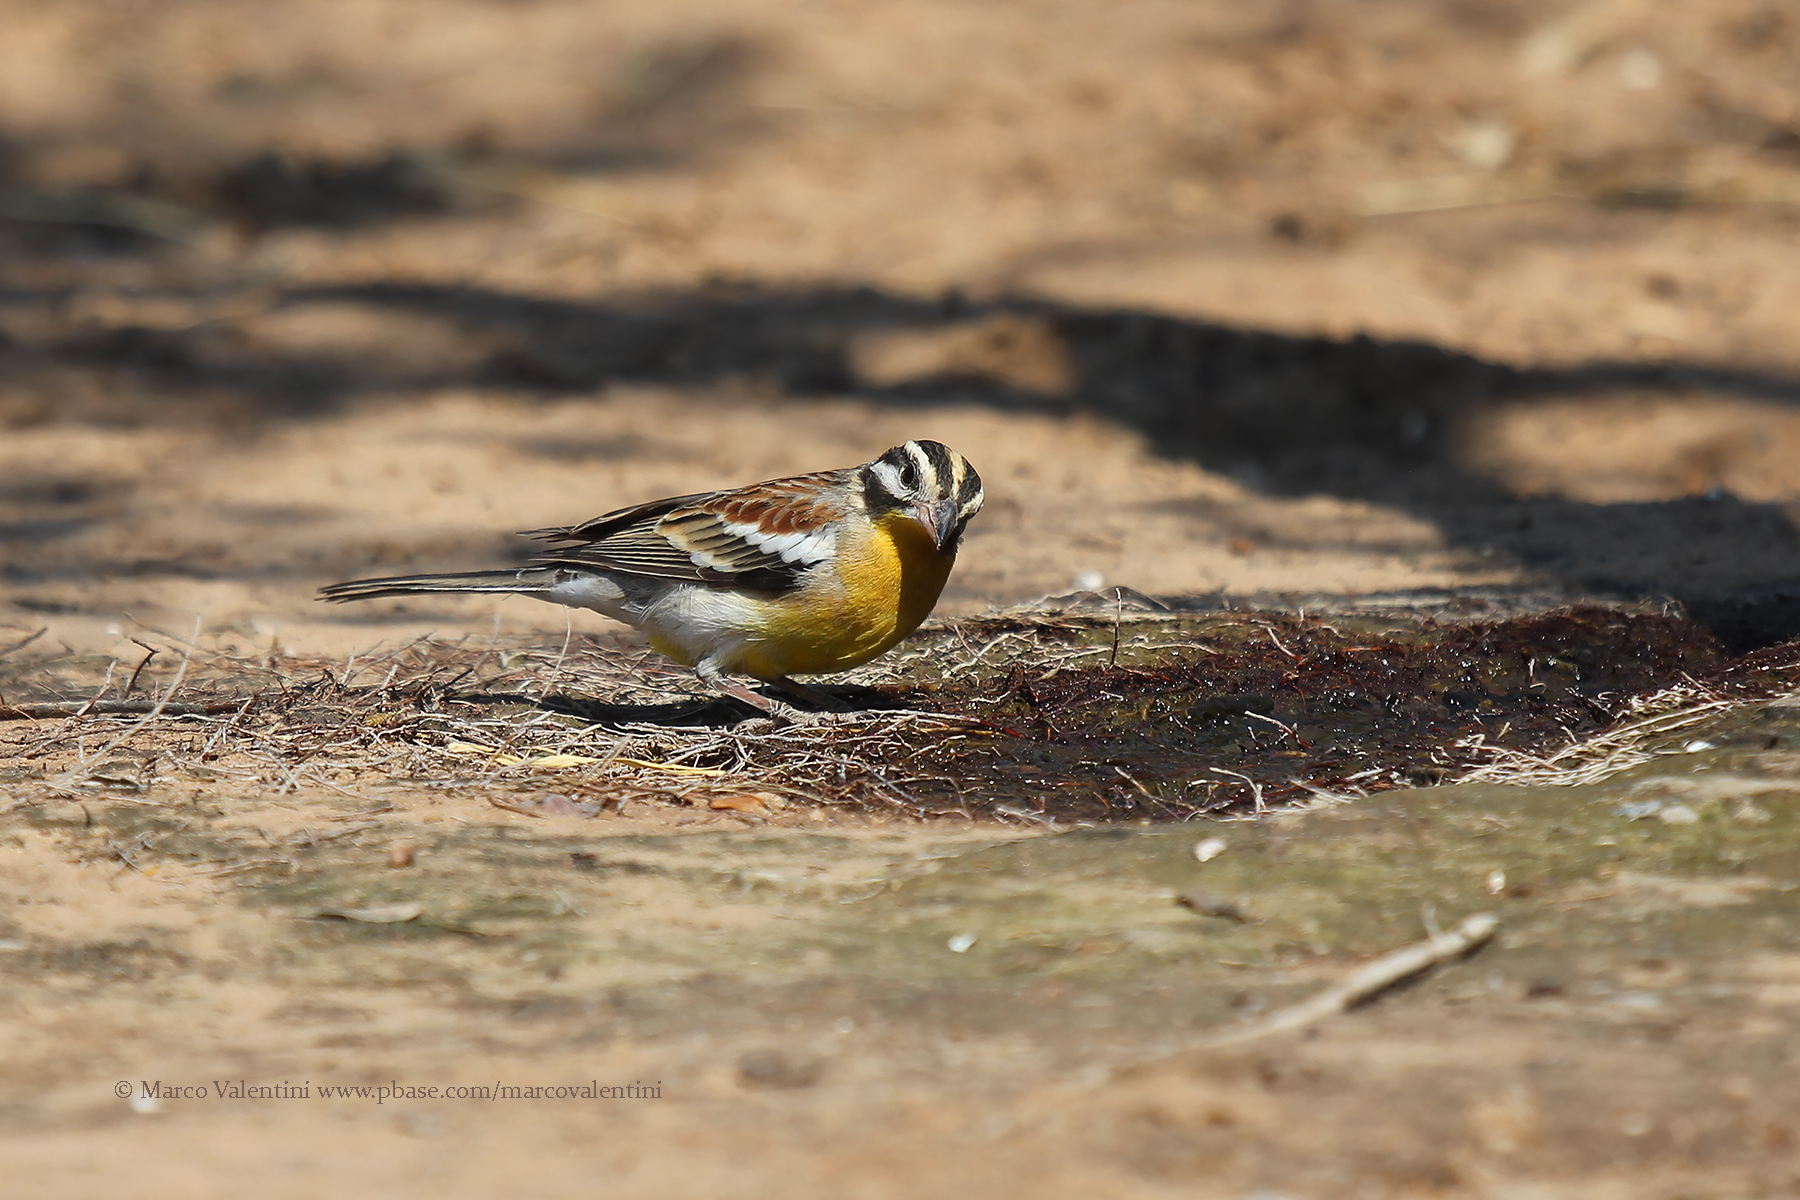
[{"x": 803, "y": 575}]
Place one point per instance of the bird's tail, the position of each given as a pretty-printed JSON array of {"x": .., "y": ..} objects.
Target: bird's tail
[{"x": 525, "y": 581}]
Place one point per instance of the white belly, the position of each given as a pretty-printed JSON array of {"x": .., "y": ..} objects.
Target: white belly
[
  {"x": 692, "y": 623},
  {"x": 689, "y": 622}
]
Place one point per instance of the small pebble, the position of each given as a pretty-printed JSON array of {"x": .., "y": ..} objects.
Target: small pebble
[
  {"x": 1696, "y": 747},
  {"x": 960, "y": 943},
  {"x": 400, "y": 854},
  {"x": 423, "y": 1124},
  {"x": 1484, "y": 145},
  {"x": 1641, "y": 70},
  {"x": 770, "y": 1068},
  {"x": 145, "y": 1105},
  {"x": 1210, "y": 849},
  {"x": 1677, "y": 814},
  {"x": 1495, "y": 882},
  {"x": 1751, "y": 813},
  {"x": 1637, "y": 810}
]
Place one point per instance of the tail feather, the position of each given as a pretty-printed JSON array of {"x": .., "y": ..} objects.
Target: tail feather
[{"x": 527, "y": 581}]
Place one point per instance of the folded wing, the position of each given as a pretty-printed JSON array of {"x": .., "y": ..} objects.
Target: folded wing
[{"x": 763, "y": 536}]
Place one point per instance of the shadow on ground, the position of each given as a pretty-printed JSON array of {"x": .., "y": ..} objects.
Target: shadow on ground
[
  {"x": 700, "y": 712},
  {"x": 1382, "y": 421}
]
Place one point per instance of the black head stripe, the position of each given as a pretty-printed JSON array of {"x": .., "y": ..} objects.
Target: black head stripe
[
  {"x": 968, "y": 491},
  {"x": 943, "y": 462}
]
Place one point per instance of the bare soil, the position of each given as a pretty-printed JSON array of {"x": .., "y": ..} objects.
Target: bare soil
[{"x": 1425, "y": 373}]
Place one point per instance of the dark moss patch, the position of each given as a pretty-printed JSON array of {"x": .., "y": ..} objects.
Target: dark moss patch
[{"x": 1237, "y": 709}]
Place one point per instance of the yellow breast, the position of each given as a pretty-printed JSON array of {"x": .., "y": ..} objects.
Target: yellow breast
[{"x": 888, "y": 578}]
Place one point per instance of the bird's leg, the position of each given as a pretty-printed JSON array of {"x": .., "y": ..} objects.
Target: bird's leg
[
  {"x": 715, "y": 679},
  {"x": 811, "y": 695}
]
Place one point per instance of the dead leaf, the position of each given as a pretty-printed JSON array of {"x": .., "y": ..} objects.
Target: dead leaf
[
  {"x": 549, "y": 804},
  {"x": 773, "y": 1069},
  {"x": 744, "y": 802},
  {"x": 1209, "y": 905},
  {"x": 375, "y": 914},
  {"x": 119, "y": 773}
]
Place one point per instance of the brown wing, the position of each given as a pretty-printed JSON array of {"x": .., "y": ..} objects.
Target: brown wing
[{"x": 762, "y": 536}]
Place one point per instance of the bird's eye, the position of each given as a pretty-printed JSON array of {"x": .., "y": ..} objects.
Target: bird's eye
[{"x": 909, "y": 475}]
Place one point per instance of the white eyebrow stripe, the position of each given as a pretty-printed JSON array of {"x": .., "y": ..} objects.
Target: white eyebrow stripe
[{"x": 889, "y": 476}]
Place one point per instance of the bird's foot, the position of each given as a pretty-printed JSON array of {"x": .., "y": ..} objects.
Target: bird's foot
[
  {"x": 823, "y": 701},
  {"x": 737, "y": 691},
  {"x": 800, "y": 716},
  {"x": 837, "y": 712}
]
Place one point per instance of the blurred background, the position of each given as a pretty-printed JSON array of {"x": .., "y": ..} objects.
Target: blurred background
[{"x": 1320, "y": 296}]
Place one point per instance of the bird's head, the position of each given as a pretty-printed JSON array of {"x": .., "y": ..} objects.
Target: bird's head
[{"x": 930, "y": 481}]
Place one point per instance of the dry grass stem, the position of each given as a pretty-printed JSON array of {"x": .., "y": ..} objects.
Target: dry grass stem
[
  {"x": 1020, "y": 716},
  {"x": 1360, "y": 986}
]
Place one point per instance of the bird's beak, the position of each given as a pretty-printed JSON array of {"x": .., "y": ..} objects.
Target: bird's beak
[{"x": 939, "y": 519}]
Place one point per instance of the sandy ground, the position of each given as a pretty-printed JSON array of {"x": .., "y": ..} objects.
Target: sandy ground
[
  {"x": 1173, "y": 294},
  {"x": 1318, "y": 299}
]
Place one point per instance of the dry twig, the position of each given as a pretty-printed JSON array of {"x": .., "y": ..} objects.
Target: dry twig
[
  {"x": 20, "y": 645},
  {"x": 71, "y": 778},
  {"x": 1362, "y": 984}
]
